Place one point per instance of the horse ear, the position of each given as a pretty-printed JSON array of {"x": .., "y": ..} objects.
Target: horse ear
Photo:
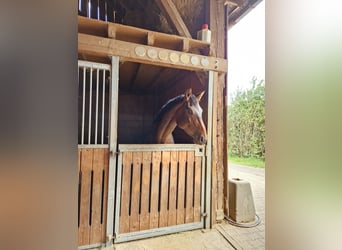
[
  {"x": 199, "y": 96},
  {"x": 188, "y": 94}
]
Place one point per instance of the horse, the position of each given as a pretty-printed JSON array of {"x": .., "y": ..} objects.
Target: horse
[{"x": 185, "y": 112}]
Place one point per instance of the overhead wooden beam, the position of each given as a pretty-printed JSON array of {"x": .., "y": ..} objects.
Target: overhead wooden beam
[
  {"x": 173, "y": 17},
  {"x": 104, "y": 47}
]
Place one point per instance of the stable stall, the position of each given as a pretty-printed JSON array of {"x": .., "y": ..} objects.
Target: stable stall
[{"x": 130, "y": 188}]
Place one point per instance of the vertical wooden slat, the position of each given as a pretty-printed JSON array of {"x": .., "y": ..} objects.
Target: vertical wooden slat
[
  {"x": 181, "y": 187},
  {"x": 84, "y": 229},
  {"x": 97, "y": 166},
  {"x": 173, "y": 188},
  {"x": 105, "y": 194},
  {"x": 125, "y": 192},
  {"x": 145, "y": 191},
  {"x": 154, "y": 214},
  {"x": 197, "y": 189},
  {"x": 189, "y": 210},
  {"x": 135, "y": 194},
  {"x": 163, "y": 217}
]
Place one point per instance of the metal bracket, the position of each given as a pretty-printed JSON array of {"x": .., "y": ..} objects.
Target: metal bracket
[
  {"x": 112, "y": 152},
  {"x": 204, "y": 214},
  {"x": 110, "y": 240}
]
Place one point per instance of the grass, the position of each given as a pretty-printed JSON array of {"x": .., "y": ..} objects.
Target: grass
[{"x": 254, "y": 162}]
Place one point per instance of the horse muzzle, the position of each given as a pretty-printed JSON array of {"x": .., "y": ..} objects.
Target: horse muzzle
[{"x": 200, "y": 139}]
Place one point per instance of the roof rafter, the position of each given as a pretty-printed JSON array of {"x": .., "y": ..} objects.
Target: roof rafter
[{"x": 173, "y": 17}]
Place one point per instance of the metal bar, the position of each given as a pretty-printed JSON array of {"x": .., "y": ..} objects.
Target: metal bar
[
  {"x": 114, "y": 92},
  {"x": 97, "y": 104},
  {"x": 103, "y": 104},
  {"x": 83, "y": 104},
  {"x": 90, "y": 101},
  {"x": 118, "y": 197},
  {"x": 90, "y": 246},
  {"x": 89, "y": 9},
  {"x": 93, "y": 146},
  {"x": 157, "y": 232},
  {"x": 159, "y": 147},
  {"x": 96, "y": 65},
  {"x": 208, "y": 151},
  {"x": 98, "y": 10}
]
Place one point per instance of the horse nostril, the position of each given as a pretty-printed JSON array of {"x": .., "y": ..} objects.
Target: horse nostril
[{"x": 202, "y": 139}]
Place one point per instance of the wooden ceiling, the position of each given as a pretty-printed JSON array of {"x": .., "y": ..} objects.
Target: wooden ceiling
[{"x": 178, "y": 17}]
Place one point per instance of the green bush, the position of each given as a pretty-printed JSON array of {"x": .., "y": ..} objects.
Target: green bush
[{"x": 246, "y": 121}]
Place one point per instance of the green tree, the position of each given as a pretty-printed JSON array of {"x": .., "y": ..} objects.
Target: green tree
[{"x": 246, "y": 121}]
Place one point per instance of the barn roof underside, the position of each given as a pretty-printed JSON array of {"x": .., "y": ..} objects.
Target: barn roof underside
[{"x": 155, "y": 14}]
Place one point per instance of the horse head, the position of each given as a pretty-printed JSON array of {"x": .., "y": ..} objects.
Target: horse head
[{"x": 189, "y": 117}]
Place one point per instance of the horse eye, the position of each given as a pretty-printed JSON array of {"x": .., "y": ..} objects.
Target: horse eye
[{"x": 190, "y": 112}]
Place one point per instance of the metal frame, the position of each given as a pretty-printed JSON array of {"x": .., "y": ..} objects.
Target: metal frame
[
  {"x": 199, "y": 151},
  {"x": 113, "y": 118},
  {"x": 209, "y": 146},
  {"x": 92, "y": 66}
]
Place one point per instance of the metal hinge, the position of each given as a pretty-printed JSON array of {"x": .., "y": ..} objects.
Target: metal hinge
[
  {"x": 112, "y": 152},
  {"x": 204, "y": 214}
]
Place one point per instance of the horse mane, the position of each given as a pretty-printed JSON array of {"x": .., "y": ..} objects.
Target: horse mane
[
  {"x": 170, "y": 104},
  {"x": 167, "y": 107}
]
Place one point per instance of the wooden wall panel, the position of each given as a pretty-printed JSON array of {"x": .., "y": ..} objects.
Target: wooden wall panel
[{"x": 93, "y": 167}]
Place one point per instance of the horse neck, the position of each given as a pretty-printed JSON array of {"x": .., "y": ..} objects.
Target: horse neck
[{"x": 167, "y": 125}]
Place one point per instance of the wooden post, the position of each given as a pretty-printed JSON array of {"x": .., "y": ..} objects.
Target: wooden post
[{"x": 215, "y": 16}]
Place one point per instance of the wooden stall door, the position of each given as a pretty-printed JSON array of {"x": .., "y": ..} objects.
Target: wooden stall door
[{"x": 161, "y": 190}]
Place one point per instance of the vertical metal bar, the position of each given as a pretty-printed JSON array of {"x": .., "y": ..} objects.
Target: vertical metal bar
[
  {"x": 97, "y": 104},
  {"x": 114, "y": 88},
  {"x": 98, "y": 9},
  {"x": 83, "y": 104},
  {"x": 103, "y": 103},
  {"x": 118, "y": 196},
  {"x": 90, "y": 101},
  {"x": 88, "y": 8},
  {"x": 208, "y": 151},
  {"x": 106, "y": 16}
]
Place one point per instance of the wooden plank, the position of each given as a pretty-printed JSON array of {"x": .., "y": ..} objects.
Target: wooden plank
[
  {"x": 105, "y": 194},
  {"x": 104, "y": 47},
  {"x": 97, "y": 167},
  {"x": 197, "y": 188},
  {"x": 173, "y": 17},
  {"x": 181, "y": 187},
  {"x": 164, "y": 192},
  {"x": 84, "y": 229},
  {"x": 145, "y": 191},
  {"x": 173, "y": 189},
  {"x": 154, "y": 214},
  {"x": 189, "y": 209},
  {"x": 135, "y": 193},
  {"x": 125, "y": 192}
]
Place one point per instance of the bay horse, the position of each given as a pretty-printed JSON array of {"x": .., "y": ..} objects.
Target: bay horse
[{"x": 185, "y": 112}]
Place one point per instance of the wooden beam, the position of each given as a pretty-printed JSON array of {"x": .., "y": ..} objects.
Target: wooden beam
[
  {"x": 104, "y": 47},
  {"x": 173, "y": 17}
]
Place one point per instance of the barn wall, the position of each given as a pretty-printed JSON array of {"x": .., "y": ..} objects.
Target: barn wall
[{"x": 135, "y": 117}]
